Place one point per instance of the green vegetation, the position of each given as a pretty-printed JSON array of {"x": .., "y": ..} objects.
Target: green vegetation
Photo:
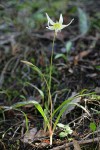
[{"x": 59, "y": 81}]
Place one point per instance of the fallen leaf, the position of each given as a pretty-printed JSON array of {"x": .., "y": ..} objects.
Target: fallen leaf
[
  {"x": 71, "y": 107},
  {"x": 97, "y": 90},
  {"x": 41, "y": 133},
  {"x": 29, "y": 136},
  {"x": 81, "y": 55},
  {"x": 76, "y": 145}
]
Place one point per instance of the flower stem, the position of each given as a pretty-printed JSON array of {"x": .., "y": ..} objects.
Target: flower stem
[
  {"x": 50, "y": 97},
  {"x": 51, "y": 139},
  {"x": 52, "y": 58}
]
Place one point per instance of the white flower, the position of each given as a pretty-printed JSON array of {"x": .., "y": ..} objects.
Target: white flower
[{"x": 57, "y": 26}]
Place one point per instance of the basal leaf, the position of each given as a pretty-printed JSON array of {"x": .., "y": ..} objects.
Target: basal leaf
[{"x": 83, "y": 21}]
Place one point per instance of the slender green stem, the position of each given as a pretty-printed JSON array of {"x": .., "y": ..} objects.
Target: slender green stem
[
  {"x": 50, "y": 97},
  {"x": 50, "y": 73},
  {"x": 51, "y": 59}
]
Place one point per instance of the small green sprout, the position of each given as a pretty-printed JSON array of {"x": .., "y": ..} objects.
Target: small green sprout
[
  {"x": 66, "y": 130},
  {"x": 93, "y": 126}
]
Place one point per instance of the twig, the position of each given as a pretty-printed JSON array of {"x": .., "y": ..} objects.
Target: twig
[
  {"x": 71, "y": 144},
  {"x": 91, "y": 134},
  {"x": 1, "y": 143}
]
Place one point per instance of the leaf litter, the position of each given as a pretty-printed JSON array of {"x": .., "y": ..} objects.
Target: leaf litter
[{"x": 81, "y": 72}]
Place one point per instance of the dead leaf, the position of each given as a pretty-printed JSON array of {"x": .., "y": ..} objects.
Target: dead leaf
[
  {"x": 97, "y": 90},
  {"x": 81, "y": 55},
  {"x": 71, "y": 107},
  {"x": 41, "y": 133},
  {"x": 15, "y": 48},
  {"x": 76, "y": 145},
  {"x": 92, "y": 75},
  {"x": 29, "y": 136}
]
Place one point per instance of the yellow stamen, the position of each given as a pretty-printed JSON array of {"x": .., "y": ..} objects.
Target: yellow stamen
[{"x": 57, "y": 26}]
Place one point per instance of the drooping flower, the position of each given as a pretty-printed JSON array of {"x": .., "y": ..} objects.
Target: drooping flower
[{"x": 56, "y": 26}]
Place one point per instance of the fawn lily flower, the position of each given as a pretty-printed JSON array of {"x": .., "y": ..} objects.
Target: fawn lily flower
[{"x": 57, "y": 26}]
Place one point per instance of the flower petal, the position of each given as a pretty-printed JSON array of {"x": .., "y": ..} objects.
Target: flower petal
[
  {"x": 61, "y": 19},
  {"x": 50, "y": 28},
  {"x": 63, "y": 26},
  {"x": 49, "y": 20},
  {"x": 69, "y": 23}
]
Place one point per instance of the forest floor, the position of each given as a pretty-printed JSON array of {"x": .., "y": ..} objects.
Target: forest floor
[{"x": 76, "y": 71}]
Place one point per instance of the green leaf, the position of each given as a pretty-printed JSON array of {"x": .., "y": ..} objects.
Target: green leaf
[
  {"x": 43, "y": 114},
  {"x": 83, "y": 21},
  {"x": 68, "y": 46},
  {"x": 97, "y": 67},
  {"x": 20, "y": 104},
  {"x": 40, "y": 91},
  {"x": 67, "y": 130},
  {"x": 33, "y": 66},
  {"x": 60, "y": 56},
  {"x": 93, "y": 126},
  {"x": 37, "y": 70},
  {"x": 59, "y": 115},
  {"x": 62, "y": 108},
  {"x": 63, "y": 134},
  {"x": 26, "y": 120},
  {"x": 60, "y": 125},
  {"x": 23, "y": 97},
  {"x": 36, "y": 104}
]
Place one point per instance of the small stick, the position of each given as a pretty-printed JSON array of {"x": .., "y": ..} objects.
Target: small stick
[{"x": 71, "y": 144}]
